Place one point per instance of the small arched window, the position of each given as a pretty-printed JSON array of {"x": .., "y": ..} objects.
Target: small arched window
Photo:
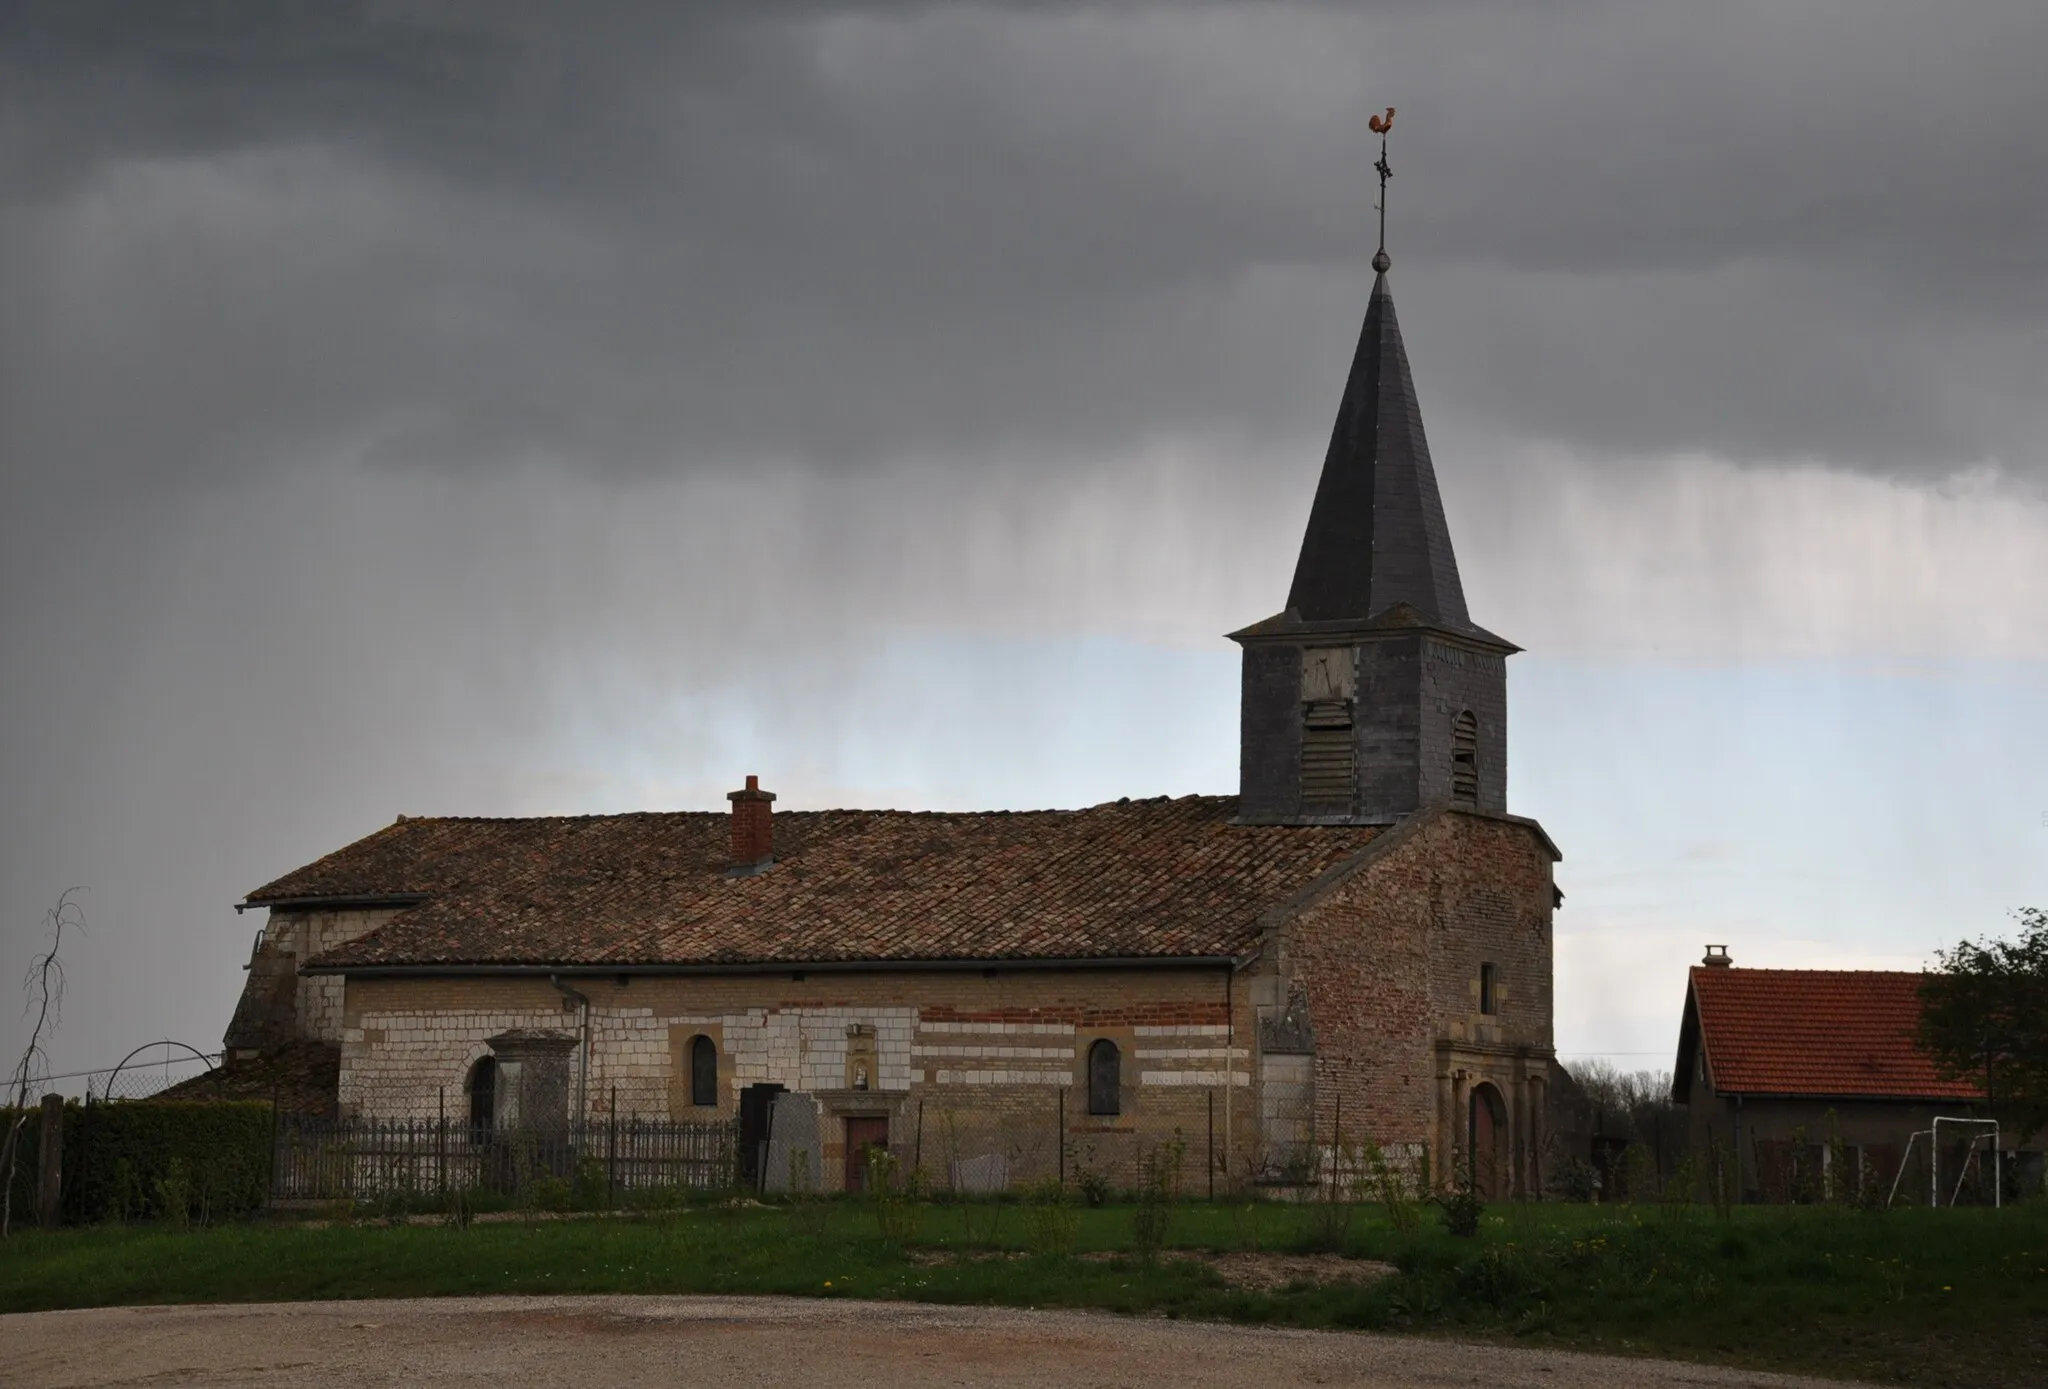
[
  {"x": 483, "y": 1098},
  {"x": 1465, "y": 759},
  {"x": 1105, "y": 1078},
  {"x": 704, "y": 1072}
]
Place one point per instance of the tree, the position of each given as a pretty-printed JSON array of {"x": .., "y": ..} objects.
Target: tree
[
  {"x": 45, "y": 989},
  {"x": 1984, "y": 1018}
]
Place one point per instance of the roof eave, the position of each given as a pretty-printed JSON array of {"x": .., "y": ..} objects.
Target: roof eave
[
  {"x": 1848, "y": 1096},
  {"x": 586, "y": 969},
  {"x": 337, "y": 902},
  {"x": 1289, "y": 626}
]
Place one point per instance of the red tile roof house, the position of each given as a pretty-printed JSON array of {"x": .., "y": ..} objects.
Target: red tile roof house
[
  {"x": 1357, "y": 946},
  {"x": 1791, "y": 1071}
]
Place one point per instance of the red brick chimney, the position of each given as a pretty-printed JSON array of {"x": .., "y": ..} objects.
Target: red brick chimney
[{"x": 753, "y": 833}]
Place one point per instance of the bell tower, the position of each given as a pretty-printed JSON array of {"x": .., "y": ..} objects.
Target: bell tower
[{"x": 1373, "y": 693}]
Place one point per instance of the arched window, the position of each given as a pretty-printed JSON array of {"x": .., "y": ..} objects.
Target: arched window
[
  {"x": 1465, "y": 759},
  {"x": 704, "y": 1072},
  {"x": 483, "y": 1098},
  {"x": 1105, "y": 1078}
]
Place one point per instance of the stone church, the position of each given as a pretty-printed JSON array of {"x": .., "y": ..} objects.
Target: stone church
[{"x": 1355, "y": 947}]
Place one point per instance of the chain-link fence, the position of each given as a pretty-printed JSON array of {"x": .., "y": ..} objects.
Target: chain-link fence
[{"x": 144, "y": 1074}]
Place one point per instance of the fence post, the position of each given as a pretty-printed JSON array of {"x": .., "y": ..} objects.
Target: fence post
[
  {"x": 1210, "y": 1156},
  {"x": 277, "y": 1167},
  {"x": 611, "y": 1156},
  {"x": 441, "y": 1142},
  {"x": 1060, "y": 1137},
  {"x": 50, "y": 1163},
  {"x": 1336, "y": 1143}
]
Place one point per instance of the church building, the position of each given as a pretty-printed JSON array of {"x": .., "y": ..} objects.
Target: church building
[{"x": 1356, "y": 947}]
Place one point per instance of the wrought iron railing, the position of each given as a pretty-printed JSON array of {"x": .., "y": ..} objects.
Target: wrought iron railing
[{"x": 356, "y": 1159}]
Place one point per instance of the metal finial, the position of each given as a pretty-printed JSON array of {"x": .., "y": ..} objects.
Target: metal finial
[{"x": 1380, "y": 125}]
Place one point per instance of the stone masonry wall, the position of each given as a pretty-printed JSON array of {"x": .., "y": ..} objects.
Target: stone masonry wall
[{"x": 316, "y": 1001}]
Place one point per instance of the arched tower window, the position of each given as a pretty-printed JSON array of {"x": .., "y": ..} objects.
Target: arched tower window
[
  {"x": 483, "y": 1098},
  {"x": 703, "y": 1072},
  {"x": 1465, "y": 759},
  {"x": 1105, "y": 1078}
]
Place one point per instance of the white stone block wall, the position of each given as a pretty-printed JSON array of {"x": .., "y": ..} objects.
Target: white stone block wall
[
  {"x": 399, "y": 1064},
  {"x": 320, "y": 996},
  {"x": 409, "y": 1064}
]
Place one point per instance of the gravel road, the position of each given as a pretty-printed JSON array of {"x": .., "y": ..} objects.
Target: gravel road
[{"x": 620, "y": 1342}]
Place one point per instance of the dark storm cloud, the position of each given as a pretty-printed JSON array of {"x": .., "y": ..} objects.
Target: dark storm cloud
[
  {"x": 647, "y": 238},
  {"x": 438, "y": 407}
]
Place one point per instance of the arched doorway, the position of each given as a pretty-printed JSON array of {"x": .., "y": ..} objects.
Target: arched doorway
[{"x": 1486, "y": 1142}]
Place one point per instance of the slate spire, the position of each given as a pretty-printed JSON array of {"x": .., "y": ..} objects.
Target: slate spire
[{"x": 1376, "y": 534}]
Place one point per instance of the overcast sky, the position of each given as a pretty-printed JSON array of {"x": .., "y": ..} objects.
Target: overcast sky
[{"x": 507, "y": 409}]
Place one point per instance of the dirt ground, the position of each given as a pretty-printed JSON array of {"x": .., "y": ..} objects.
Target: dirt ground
[{"x": 621, "y": 1342}]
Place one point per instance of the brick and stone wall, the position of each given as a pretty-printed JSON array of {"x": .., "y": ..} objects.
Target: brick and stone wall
[
  {"x": 968, "y": 1068},
  {"x": 1390, "y": 966}
]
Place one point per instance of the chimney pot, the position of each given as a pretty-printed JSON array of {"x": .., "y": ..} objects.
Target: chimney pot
[
  {"x": 1717, "y": 957},
  {"x": 753, "y": 829}
]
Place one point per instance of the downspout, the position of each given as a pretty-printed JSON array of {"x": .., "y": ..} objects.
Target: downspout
[{"x": 582, "y": 1071}]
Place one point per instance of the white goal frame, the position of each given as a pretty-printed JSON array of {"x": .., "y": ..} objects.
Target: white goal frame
[{"x": 1933, "y": 1136}]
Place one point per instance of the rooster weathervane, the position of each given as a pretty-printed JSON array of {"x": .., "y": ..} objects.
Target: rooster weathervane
[{"x": 1380, "y": 125}]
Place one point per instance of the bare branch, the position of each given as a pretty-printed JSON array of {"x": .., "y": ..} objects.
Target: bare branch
[{"x": 44, "y": 987}]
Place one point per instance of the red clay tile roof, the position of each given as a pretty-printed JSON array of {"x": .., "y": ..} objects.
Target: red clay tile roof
[
  {"x": 1139, "y": 879},
  {"x": 1813, "y": 1032}
]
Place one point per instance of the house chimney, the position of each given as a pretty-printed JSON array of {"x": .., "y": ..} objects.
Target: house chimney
[
  {"x": 1717, "y": 955},
  {"x": 753, "y": 834}
]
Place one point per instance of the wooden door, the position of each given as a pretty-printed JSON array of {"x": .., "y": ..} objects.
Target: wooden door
[
  {"x": 1487, "y": 1132},
  {"x": 861, "y": 1135}
]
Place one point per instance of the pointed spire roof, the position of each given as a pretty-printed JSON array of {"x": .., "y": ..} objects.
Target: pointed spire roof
[{"x": 1377, "y": 540}]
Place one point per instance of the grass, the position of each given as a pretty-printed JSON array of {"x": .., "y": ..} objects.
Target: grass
[{"x": 1913, "y": 1296}]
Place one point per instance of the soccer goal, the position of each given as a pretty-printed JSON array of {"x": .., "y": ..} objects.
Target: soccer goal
[{"x": 1985, "y": 1129}]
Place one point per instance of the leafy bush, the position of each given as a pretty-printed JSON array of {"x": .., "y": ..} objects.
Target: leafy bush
[
  {"x": 1054, "y": 1222},
  {"x": 119, "y": 1160},
  {"x": 898, "y": 1203},
  {"x": 1462, "y": 1209},
  {"x": 1159, "y": 1182},
  {"x": 549, "y": 1193},
  {"x": 593, "y": 1185}
]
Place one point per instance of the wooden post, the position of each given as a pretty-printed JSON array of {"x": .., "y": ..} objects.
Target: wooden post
[
  {"x": 1337, "y": 1143},
  {"x": 1210, "y": 1155},
  {"x": 611, "y": 1157},
  {"x": 441, "y": 1141},
  {"x": 50, "y": 1163},
  {"x": 1060, "y": 1144}
]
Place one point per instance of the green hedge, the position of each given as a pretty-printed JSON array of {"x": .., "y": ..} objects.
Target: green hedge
[{"x": 203, "y": 1160}]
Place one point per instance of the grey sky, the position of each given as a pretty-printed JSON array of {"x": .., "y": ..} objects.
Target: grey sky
[{"x": 379, "y": 382}]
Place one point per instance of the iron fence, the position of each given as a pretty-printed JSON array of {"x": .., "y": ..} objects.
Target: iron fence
[{"x": 356, "y": 1159}]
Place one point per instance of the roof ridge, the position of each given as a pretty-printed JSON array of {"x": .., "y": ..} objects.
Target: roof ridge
[{"x": 923, "y": 812}]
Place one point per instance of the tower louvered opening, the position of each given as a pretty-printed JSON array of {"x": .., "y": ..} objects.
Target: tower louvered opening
[
  {"x": 1327, "y": 757},
  {"x": 1465, "y": 759}
]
